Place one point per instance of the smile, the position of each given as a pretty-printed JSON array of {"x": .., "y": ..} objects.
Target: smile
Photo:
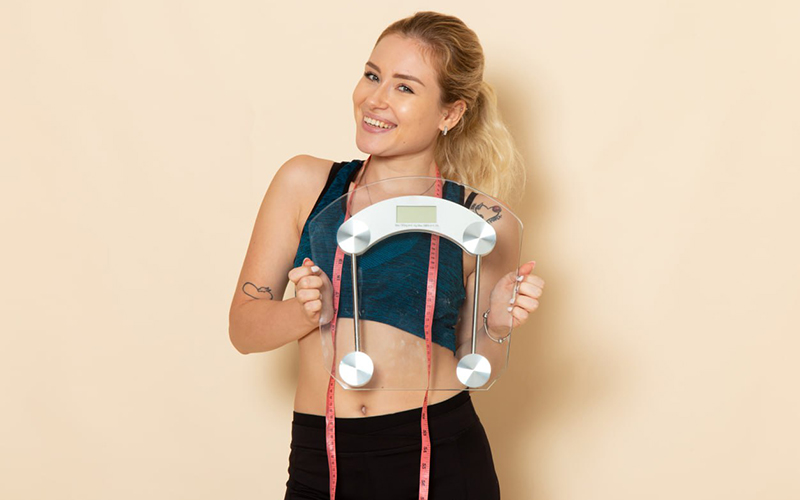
[{"x": 378, "y": 123}]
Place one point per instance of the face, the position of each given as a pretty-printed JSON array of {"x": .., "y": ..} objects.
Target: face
[{"x": 397, "y": 101}]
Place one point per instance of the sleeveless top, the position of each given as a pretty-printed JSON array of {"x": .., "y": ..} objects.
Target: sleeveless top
[{"x": 392, "y": 274}]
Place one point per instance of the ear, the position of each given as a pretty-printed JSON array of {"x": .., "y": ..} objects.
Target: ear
[{"x": 451, "y": 114}]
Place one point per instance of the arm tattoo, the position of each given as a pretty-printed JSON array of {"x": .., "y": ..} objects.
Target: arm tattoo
[
  {"x": 492, "y": 212},
  {"x": 257, "y": 292}
]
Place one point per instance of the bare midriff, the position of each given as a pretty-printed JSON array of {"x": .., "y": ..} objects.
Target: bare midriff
[
  {"x": 400, "y": 362},
  {"x": 394, "y": 372}
]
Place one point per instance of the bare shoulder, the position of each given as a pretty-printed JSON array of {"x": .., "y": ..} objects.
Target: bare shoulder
[
  {"x": 303, "y": 173},
  {"x": 297, "y": 185}
]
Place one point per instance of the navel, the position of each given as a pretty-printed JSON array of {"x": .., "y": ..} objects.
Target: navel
[{"x": 364, "y": 410}]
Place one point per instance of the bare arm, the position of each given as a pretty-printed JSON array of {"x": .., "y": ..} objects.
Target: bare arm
[{"x": 259, "y": 320}]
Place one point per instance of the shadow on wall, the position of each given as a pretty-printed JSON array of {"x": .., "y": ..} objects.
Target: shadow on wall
[{"x": 546, "y": 384}]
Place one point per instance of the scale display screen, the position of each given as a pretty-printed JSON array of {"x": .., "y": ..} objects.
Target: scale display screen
[{"x": 416, "y": 215}]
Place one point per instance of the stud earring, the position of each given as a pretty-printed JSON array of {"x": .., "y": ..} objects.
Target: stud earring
[{"x": 444, "y": 132}]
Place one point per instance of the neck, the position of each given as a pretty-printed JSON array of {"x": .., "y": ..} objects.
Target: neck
[{"x": 383, "y": 167}]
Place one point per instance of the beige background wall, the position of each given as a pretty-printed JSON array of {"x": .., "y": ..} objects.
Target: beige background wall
[{"x": 136, "y": 142}]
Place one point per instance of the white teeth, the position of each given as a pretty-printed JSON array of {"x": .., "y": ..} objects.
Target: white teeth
[{"x": 377, "y": 123}]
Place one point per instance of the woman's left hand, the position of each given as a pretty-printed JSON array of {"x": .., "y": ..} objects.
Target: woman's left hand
[{"x": 526, "y": 300}]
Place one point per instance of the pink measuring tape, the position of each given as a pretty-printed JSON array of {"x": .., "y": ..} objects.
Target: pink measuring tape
[{"x": 430, "y": 302}]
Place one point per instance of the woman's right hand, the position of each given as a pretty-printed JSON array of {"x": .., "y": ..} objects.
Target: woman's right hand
[{"x": 313, "y": 291}]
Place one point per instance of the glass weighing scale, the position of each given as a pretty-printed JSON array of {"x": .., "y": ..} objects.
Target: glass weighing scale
[{"x": 383, "y": 233}]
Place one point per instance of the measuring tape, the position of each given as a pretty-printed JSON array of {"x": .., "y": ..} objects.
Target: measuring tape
[{"x": 430, "y": 302}]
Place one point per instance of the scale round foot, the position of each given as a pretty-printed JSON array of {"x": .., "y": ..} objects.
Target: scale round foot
[
  {"x": 473, "y": 370},
  {"x": 356, "y": 369}
]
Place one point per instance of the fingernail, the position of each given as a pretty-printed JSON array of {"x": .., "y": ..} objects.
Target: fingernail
[
  {"x": 520, "y": 278},
  {"x": 511, "y": 301},
  {"x": 314, "y": 269}
]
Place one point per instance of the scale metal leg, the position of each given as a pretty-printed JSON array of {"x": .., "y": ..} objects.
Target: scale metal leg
[
  {"x": 356, "y": 368},
  {"x": 474, "y": 370}
]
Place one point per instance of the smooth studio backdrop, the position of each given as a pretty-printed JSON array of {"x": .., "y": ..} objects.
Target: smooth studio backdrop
[{"x": 138, "y": 138}]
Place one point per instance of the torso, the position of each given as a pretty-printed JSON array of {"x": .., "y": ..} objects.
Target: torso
[{"x": 312, "y": 383}]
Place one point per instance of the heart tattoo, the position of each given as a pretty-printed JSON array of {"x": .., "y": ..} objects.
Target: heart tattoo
[
  {"x": 257, "y": 292},
  {"x": 493, "y": 213}
]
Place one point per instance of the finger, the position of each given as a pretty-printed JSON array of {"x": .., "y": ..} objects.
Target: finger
[
  {"x": 527, "y": 303},
  {"x": 310, "y": 281},
  {"x": 326, "y": 281},
  {"x": 313, "y": 306},
  {"x": 308, "y": 294},
  {"x": 520, "y": 314},
  {"x": 534, "y": 280},
  {"x": 526, "y": 268},
  {"x": 532, "y": 307},
  {"x": 530, "y": 290},
  {"x": 299, "y": 272}
]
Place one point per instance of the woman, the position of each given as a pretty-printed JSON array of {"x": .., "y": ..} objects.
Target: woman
[{"x": 421, "y": 108}]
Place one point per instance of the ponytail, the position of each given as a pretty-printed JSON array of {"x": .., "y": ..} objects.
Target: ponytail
[{"x": 480, "y": 152}]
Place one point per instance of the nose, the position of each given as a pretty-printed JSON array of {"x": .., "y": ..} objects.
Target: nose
[{"x": 378, "y": 98}]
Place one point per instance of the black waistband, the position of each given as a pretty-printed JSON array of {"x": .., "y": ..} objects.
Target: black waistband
[{"x": 448, "y": 418}]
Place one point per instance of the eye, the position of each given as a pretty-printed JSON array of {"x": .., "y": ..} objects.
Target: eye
[
  {"x": 369, "y": 75},
  {"x": 405, "y": 88}
]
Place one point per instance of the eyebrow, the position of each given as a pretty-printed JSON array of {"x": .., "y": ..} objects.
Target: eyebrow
[{"x": 396, "y": 75}]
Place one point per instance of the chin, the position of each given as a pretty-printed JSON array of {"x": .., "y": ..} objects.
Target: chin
[{"x": 369, "y": 147}]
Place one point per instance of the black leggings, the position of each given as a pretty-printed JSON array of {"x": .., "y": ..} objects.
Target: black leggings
[{"x": 378, "y": 457}]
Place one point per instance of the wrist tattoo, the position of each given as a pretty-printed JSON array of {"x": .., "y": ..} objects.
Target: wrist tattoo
[
  {"x": 493, "y": 213},
  {"x": 257, "y": 292}
]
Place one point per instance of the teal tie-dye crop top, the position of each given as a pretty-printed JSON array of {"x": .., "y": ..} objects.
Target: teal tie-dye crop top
[{"x": 393, "y": 273}]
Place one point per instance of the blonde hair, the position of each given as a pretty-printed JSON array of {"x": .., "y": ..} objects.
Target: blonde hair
[{"x": 479, "y": 151}]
